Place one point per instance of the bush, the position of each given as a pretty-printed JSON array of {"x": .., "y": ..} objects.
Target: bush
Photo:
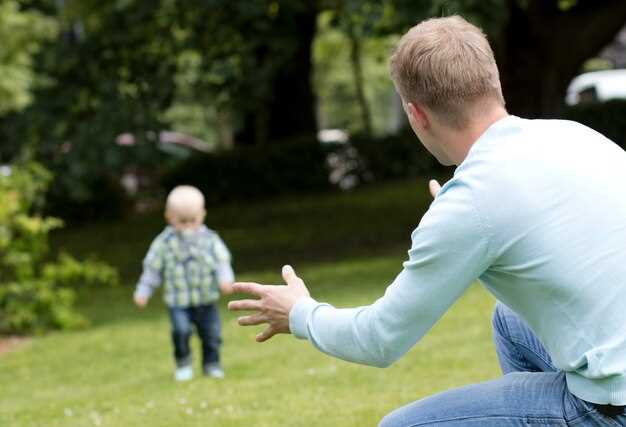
[
  {"x": 37, "y": 294},
  {"x": 394, "y": 157},
  {"x": 102, "y": 197},
  {"x": 608, "y": 118},
  {"x": 249, "y": 172}
]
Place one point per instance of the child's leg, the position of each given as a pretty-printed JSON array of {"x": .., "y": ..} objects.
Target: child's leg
[
  {"x": 181, "y": 331},
  {"x": 207, "y": 323}
]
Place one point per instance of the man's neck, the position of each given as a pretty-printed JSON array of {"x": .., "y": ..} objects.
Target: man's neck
[{"x": 464, "y": 139}]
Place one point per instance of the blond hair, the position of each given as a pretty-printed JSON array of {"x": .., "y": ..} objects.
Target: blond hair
[
  {"x": 185, "y": 201},
  {"x": 446, "y": 64}
]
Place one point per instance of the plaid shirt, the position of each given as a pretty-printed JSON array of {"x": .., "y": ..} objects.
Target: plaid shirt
[{"x": 190, "y": 269}]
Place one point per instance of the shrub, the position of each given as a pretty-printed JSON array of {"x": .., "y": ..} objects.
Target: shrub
[
  {"x": 249, "y": 172},
  {"x": 394, "y": 157},
  {"x": 35, "y": 293},
  {"x": 306, "y": 165}
]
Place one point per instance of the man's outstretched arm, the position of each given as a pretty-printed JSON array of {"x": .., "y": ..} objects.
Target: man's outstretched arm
[{"x": 450, "y": 249}]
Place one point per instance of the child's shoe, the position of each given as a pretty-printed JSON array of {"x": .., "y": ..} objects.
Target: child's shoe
[
  {"x": 184, "y": 373},
  {"x": 213, "y": 370}
]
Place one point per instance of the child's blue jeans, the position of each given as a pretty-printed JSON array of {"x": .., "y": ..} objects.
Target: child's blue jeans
[
  {"x": 531, "y": 393},
  {"x": 207, "y": 323}
]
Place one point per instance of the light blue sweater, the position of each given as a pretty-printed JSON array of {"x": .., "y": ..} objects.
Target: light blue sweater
[{"x": 537, "y": 213}]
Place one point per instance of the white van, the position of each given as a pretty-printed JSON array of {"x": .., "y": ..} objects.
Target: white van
[{"x": 597, "y": 86}]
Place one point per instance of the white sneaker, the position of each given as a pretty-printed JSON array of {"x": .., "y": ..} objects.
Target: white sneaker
[
  {"x": 184, "y": 373},
  {"x": 214, "y": 371}
]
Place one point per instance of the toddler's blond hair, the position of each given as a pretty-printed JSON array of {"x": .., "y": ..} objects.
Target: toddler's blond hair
[{"x": 186, "y": 202}]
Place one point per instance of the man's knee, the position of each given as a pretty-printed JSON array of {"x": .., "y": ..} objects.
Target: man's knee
[
  {"x": 398, "y": 418},
  {"x": 498, "y": 320},
  {"x": 389, "y": 420}
]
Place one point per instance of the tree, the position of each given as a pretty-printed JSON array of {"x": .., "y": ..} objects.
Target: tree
[
  {"x": 358, "y": 20},
  {"x": 256, "y": 63},
  {"x": 543, "y": 45},
  {"x": 22, "y": 34},
  {"x": 109, "y": 71},
  {"x": 540, "y": 45}
]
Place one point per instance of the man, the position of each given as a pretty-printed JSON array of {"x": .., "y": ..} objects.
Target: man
[{"x": 536, "y": 211}]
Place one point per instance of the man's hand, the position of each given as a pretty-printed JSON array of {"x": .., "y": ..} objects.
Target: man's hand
[
  {"x": 273, "y": 305},
  {"x": 141, "y": 301},
  {"x": 434, "y": 187}
]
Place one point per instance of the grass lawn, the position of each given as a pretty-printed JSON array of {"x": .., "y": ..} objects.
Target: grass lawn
[{"x": 347, "y": 247}]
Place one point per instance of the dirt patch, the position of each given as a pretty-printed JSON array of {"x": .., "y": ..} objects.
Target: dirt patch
[{"x": 11, "y": 343}]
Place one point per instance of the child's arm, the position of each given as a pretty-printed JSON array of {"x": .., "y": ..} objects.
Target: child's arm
[
  {"x": 225, "y": 278},
  {"x": 149, "y": 281},
  {"x": 151, "y": 276},
  {"x": 225, "y": 274}
]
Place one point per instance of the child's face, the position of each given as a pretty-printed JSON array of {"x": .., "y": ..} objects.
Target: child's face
[{"x": 188, "y": 221}]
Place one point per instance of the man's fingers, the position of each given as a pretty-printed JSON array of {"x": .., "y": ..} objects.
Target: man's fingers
[
  {"x": 266, "y": 334},
  {"x": 248, "y": 288},
  {"x": 289, "y": 275},
  {"x": 434, "y": 187},
  {"x": 245, "y": 304},
  {"x": 255, "y": 319}
]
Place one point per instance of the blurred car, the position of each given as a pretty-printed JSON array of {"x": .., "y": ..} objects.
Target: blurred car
[
  {"x": 597, "y": 86},
  {"x": 342, "y": 158},
  {"x": 175, "y": 145}
]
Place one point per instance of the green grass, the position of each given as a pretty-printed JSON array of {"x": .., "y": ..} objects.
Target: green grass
[{"x": 119, "y": 371}]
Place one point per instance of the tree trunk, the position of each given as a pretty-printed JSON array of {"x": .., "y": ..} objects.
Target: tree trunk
[
  {"x": 289, "y": 109},
  {"x": 357, "y": 72},
  {"x": 224, "y": 129},
  {"x": 542, "y": 48}
]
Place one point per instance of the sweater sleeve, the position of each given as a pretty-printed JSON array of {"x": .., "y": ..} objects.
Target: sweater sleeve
[
  {"x": 152, "y": 270},
  {"x": 449, "y": 251},
  {"x": 224, "y": 268}
]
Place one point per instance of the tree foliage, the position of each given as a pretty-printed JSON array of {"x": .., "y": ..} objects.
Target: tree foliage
[
  {"x": 241, "y": 71},
  {"x": 22, "y": 34},
  {"x": 540, "y": 45}
]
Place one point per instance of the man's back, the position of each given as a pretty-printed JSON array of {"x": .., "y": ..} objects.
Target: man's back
[{"x": 551, "y": 194}]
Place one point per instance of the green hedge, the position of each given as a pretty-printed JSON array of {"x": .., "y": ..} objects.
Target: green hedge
[
  {"x": 250, "y": 172},
  {"x": 303, "y": 165},
  {"x": 394, "y": 157}
]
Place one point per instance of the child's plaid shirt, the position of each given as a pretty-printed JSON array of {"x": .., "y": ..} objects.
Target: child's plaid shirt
[{"x": 191, "y": 269}]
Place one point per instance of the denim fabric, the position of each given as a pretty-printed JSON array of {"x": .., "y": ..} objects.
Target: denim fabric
[
  {"x": 531, "y": 392},
  {"x": 207, "y": 323}
]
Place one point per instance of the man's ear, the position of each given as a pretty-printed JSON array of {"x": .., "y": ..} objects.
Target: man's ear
[{"x": 417, "y": 115}]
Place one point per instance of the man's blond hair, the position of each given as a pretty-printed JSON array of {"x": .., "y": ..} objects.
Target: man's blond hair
[{"x": 446, "y": 64}]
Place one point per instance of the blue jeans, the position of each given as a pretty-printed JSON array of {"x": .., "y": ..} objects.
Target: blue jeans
[
  {"x": 207, "y": 323},
  {"x": 532, "y": 391}
]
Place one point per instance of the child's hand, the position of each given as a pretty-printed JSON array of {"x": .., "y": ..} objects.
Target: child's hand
[
  {"x": 140, "y": 301},
  {"x": 226, "y": 288}
]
